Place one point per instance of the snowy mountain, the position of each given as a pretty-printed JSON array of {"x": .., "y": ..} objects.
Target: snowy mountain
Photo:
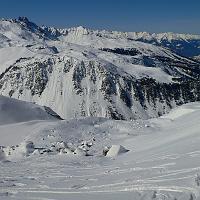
[
  {"x": 79, "y": 72},
  {"x": 184, "y": 44}
]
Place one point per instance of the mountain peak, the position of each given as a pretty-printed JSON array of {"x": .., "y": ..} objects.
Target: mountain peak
[
  {"x": 26, "y": 22},
  {"x": 79, "y": 30},
  {"x": 23, "y": 19}
]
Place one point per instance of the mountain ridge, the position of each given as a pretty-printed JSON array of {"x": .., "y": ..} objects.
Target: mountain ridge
[
  {"x": 78, "y": 73},
  {"x": 135, "y": 35}
]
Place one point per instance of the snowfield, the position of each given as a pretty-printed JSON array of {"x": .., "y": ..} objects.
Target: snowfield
[{"x": 98, "y": 158}]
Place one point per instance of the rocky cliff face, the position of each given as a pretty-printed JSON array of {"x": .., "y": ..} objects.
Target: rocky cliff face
[{"x": 80, "y": 73}]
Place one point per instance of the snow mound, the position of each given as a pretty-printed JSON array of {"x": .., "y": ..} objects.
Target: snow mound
[
  {"x": 22, "y": 150},
  {"x": 14, "y": 111},
  {"x": 80, "y": 152},
  {"x": 115, "y": 150},
  {"x": 27, "y": 147}
]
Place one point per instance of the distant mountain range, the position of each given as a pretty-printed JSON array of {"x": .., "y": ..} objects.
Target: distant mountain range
[{"x": 79, "y": 72}]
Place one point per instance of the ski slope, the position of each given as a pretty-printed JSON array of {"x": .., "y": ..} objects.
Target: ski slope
[{"x": 162, "y": 161}]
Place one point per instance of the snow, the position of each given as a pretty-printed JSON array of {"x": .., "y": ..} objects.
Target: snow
[
  {"x": 59, "y": 93},
  {"x": 21, "y": 117},
  {"x": 81, "y": 31},
  {"x": 18, "y": 152},
  {"x": 162, "y": 161},
  {"x": 15, "y": 111},
  {"x": 9, "y": 55},
  {"x": 44, "y": 157},
  {"x": 116, "y": 150},
  {"x": 179, "y": 112}
]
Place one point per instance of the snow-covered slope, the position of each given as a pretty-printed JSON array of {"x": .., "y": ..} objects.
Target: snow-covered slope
[
  {"x": 79, "y": 72},
  {"x": 15, "y": 111},
  {"x": 21, "y": 117},
  {"x": 50, "y": 162}
]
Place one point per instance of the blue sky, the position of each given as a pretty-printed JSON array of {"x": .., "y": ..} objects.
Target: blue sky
[{"x": 181, "y": 16}]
